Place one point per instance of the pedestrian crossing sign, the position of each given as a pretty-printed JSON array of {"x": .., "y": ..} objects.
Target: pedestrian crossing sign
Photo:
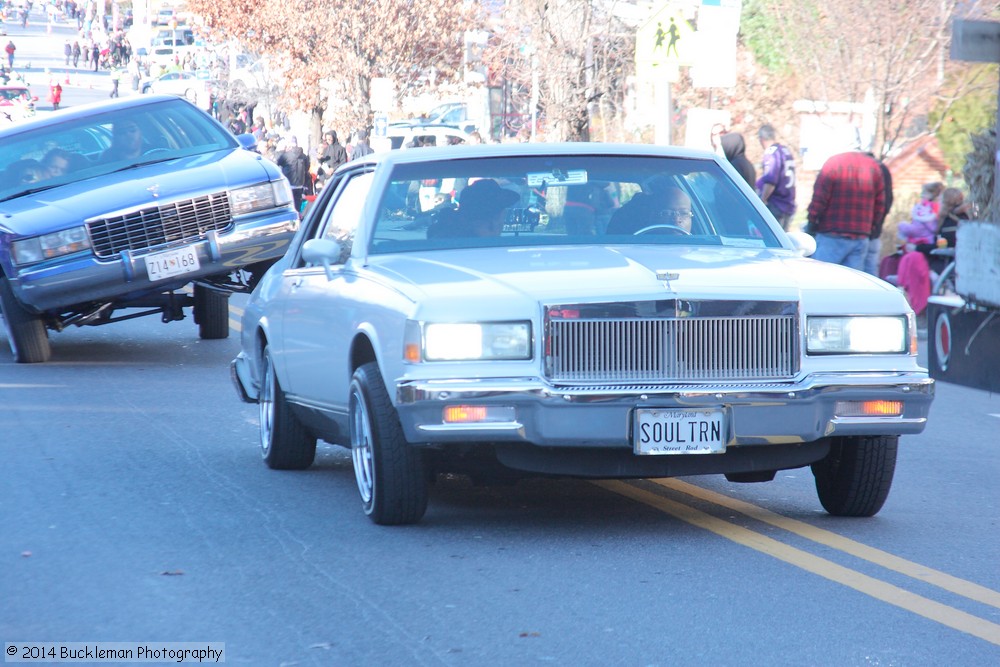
[{"x": 664, "y": 42}]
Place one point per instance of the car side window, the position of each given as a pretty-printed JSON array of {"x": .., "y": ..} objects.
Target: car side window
[{"x": 343, "y": 216}]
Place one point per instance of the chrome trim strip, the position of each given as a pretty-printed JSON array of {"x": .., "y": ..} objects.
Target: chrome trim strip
[{"x": 478, "y": 428}]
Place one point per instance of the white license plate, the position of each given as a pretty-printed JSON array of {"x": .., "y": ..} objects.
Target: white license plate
[
  {"x": 674, "y": 431},
  {"x": 172, "y": 263}
]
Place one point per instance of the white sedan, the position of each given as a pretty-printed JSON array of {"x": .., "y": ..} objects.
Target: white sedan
[
  {"x": 589, "y": 310},
  {"x": 182, "y": 83}
]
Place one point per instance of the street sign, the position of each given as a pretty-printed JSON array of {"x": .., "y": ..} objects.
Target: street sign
[
  {"x": 975, "y": 41},
  {"x": 664, "y": 42}
]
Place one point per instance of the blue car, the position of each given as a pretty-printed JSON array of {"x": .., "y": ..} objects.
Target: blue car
[{"x": 109, "y": 211}]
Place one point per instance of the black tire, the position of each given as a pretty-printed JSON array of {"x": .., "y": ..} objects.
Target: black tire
[
  {"x": 211, "y": 312},
  {"x": 389, "y": 471},
  {"x": 855, "y": 477},
  {"x": 285, "y": 444},
  {"x": 26, "y": 333}
]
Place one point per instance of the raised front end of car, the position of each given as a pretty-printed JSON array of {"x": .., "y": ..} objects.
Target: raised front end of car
[{"x": 98, "y": 225}]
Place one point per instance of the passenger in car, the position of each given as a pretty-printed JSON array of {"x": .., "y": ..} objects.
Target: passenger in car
[
  {"x": 22, "y": 172},
  {"x": 57, "y": 162},
  {"x": 481, "y": 212},
  {"x": 661, "y": 206}
]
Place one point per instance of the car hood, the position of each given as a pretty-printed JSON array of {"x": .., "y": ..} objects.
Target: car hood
[
  {"x": 162, "y": 182},
  {"x": 496, "y": 279}
]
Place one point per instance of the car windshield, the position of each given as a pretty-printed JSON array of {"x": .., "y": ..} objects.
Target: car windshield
[
  {"x": 75, "y": 149},
  {"x": 565, "y": 200}
]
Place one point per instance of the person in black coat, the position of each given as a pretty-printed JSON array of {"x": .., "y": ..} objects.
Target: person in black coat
[
  {"x": 295, "y": 166},
  {"x": 735, "y": 149}
]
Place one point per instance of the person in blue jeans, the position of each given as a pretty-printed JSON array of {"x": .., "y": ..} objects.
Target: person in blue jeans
[{"x": 848, "y": 201}]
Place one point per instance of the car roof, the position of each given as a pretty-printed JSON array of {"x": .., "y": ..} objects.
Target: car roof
[
  {"x": 432, "y": 153},
  {"x": 89, "y": 109}
]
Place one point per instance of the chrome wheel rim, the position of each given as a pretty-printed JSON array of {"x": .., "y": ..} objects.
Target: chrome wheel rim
[
  {"x": 361, "y": 448},
  {"x": 265, "y": 405}
]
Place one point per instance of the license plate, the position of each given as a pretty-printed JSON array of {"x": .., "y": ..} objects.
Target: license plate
[
  {"x": 172, "y": 263},
  {"x": 670, "y": 431}
]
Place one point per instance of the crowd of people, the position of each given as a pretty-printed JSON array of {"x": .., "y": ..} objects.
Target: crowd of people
[{"x": 848, "y": 208}]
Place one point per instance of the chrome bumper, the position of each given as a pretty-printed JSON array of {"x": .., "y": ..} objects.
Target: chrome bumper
[
  {"x": 78, "y": 279},
  {"x": 772, "y": 414}
]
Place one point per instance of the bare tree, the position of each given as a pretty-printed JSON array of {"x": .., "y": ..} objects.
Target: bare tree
[
  {"x": 571, "y": 54},
  {"x": 889, "y": 54},
  {"x": 332, "y": 49}
]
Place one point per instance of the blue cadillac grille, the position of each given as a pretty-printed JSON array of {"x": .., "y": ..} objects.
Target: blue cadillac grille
[{"x": 176, "y": 222}]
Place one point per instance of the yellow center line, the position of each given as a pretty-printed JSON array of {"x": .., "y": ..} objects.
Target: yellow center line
[
  {"x": 916, "y": 571},
  {"x": 894, "y": 595},
  {"x": 235, "y": 322}
]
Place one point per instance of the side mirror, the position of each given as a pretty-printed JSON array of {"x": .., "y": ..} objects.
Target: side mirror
[
  {"x": 247, "y": 141},
  {"x": 804, "y": 243},
  {"x": 322, "y": 251}
]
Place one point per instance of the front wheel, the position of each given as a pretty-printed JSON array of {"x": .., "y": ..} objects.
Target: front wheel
[
  {"x": 29, "y": 341},
  {"x": 285, "y": 444},
  {"x": 389, "y": 471},
  {"x": 211, "y": 312},
  {"x": 855, "y": 477}
]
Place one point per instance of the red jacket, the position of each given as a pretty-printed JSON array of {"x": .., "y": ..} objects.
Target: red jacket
[{"x": 849, "y": 196}]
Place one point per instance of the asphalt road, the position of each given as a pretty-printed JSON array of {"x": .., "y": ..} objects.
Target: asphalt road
[{"x": 135, "y": 508}]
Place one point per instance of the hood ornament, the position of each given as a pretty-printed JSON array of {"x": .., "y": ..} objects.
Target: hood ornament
[
  {"x": 666, "y": 276},
  {"x": 154, "y": 190}
]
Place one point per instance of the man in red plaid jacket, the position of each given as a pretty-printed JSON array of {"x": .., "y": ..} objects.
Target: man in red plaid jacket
[{"x": 848, "y": 199}]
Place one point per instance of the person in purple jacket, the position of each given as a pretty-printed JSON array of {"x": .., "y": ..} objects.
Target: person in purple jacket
[{"x": 776, "y": 185}]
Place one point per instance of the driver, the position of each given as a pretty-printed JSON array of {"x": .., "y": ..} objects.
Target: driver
[
  {"x": 126, "y": 142},
  {"x": 664, "y": 206}
]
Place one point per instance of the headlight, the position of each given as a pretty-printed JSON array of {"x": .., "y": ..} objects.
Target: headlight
[
  {"x": 47, "y": 246},
  {"x": 260, "y": 197},
  {"x": 468, "y": 341},
  {"x": 848, "y": 335}
]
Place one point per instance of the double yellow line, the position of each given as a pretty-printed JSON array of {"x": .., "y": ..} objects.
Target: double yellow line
[
  {"x": 881, "y": 590},
  {"x": 894, "y": 595}
]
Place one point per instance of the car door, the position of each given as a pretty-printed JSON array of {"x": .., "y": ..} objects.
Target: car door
[{"x": 317, "y": 320}]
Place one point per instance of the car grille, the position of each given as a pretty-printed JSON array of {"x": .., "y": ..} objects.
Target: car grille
[
  {"x": 177, "y": 222},
  {"x": 672, "y": 341}
]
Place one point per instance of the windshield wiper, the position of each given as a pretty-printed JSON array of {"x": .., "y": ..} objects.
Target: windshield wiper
[
  {"x": 32, "y": 191},
  {"x": 143, "y": 164}
]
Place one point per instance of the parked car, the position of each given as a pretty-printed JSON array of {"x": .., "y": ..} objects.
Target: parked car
[
  {"x": 183, "y": 83},
  {"x": 255, "y": 79},
  {"x": 400, "y": 135},
  {"x": 16, "y": 103},
  {"x": 115, "y": 206},
  {"x": 455, "y": 114},
  {"x": 589, "y": 310}
]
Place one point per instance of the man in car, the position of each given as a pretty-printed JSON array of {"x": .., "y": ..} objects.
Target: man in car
[
  {"x": 126, "y": 142},
  {"x": 56, "y": 163},
  {"x": 664, "y": 206},
  {"x": 482, "y": 210}
]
